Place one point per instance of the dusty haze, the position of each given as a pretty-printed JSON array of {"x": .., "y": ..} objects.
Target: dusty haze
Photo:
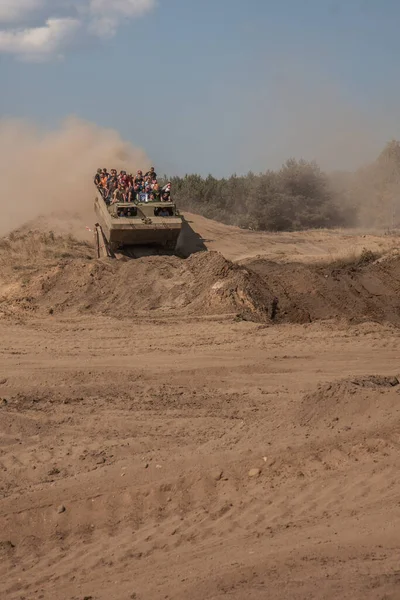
[
  {"x": 43, "y": 171},
  {"x": 304, "y": 111},
  {"x": 49, "y": 172}
]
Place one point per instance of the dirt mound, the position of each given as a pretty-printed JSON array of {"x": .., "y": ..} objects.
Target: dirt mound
[
  {"x": 32, "y": 249},
  {"x": 365, "y": 289},
  {"x": 58, "y": 274},
  {"x": 27, "y": 253},
  {"x": 352, "y": 402},
  {"x": 47, "y": 272}
]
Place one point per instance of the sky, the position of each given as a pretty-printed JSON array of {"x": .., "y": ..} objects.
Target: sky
[{"x": 210, "y": 86}]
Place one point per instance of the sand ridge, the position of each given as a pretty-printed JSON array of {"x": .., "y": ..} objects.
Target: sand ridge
[{"x": 56, "y": 273}]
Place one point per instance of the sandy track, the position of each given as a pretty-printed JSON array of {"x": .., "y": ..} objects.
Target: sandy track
[
  {"x": 241, "y": 245},
  {"x": 144, "y": 429},
  {"x": 132, "y": 443}
]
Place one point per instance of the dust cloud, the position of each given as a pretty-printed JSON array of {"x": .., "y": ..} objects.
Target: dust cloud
[
  {"x": 304, "y": 111},
  {"x": 46, "y": 172}
]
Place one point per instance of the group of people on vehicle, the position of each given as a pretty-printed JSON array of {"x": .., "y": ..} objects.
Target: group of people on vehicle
[{"x": 124, "y": 187}]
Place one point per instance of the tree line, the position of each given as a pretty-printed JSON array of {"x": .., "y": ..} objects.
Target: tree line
[{"x": 297, "y": 196}]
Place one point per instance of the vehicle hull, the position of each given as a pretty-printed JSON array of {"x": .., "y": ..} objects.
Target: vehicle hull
[{"x": 144, "y": 229}]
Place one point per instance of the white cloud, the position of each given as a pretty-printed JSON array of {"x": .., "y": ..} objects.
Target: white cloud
[
  {"x": 125, "y": 8},
  {"x": 15, "y": 10},
  {"x": 39, "y": 43},
  {"x": 107, "y": 14},
  {"x": 62, "y": 19}
]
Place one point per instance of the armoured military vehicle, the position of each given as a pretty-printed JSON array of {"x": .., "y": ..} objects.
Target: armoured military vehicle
[{"x": 124, "y": 226}]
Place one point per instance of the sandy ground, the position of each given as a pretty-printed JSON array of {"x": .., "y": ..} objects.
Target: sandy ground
[
  {"x": 311, "y": 246},
  {"x": 200, "y": 456}
]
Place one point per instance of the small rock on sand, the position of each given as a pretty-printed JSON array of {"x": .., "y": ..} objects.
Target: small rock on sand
[
  {"x": 254, "y": 472},
  {"x": 61, "y": 509}
]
